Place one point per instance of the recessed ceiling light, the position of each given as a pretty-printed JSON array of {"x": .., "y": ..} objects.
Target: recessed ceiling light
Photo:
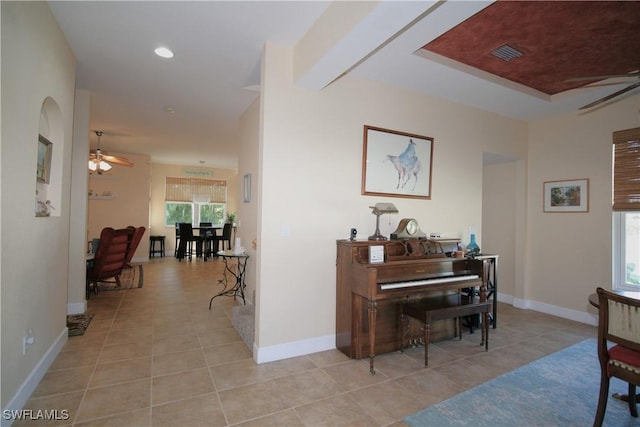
[
  {"x": 163, "y": 52},
  {"x": 169, "y": 110}
]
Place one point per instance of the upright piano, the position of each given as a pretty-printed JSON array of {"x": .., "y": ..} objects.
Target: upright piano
[{"x": 368, "y": 294}]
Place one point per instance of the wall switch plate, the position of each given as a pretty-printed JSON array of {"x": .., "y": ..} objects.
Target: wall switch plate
[{"x": 28, "y": 340}]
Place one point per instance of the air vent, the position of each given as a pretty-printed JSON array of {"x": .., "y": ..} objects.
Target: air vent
[{"x": 506, "y": 53}]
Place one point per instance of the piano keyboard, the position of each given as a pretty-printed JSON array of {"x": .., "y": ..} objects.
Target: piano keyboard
[{"x": 408, "y": 284}]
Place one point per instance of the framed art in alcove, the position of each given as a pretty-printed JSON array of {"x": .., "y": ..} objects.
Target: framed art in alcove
[
  {"x": 396, "y": 164},
  {"x": 43, "y": 166},
  {"x": 247, "y": 188}
]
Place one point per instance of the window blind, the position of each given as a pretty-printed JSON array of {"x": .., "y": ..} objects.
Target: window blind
[
  {"x": 197, "y": 190},
  {"x": 626, "y": 170}
]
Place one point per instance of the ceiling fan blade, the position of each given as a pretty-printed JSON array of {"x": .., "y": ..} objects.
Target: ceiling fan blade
[
  {"x": 611, "y": 96},
  {"x": 611, "y": 76},
  {"x": 117, "y": 160}
]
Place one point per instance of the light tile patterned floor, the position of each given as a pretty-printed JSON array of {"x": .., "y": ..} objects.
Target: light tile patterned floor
[{"x": 157, "y": 356}]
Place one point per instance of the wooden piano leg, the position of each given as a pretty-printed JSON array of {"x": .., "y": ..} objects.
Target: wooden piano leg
[
  {"x": 485, "y": 330},
  {"x": 427, "y": 337},
  {"x": 373, "y": 310}
]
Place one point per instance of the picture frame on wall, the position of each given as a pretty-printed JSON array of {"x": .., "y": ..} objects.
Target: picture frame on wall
[
  {"x": 247, "y": 188},
  {"x": 43, "y": 165},
  {"x": 566, "y": 196},
  {"x": 396, "y": 164}
]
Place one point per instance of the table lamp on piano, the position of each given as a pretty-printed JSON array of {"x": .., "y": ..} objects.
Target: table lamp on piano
[{"x": 379, "y": 209}]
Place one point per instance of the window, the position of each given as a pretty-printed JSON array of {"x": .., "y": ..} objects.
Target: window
[
  {"x": 626, "y": 253},
  {"x": 626, "y": 207},
  {"x": 213, "y": 213},
  {"x": 195, "y": 200},
  {"x": 178, "y": 212}
]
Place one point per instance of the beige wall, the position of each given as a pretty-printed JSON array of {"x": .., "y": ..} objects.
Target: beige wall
[
  {"x": 37, "y": 63},
  {"x": 79, "y": 204},
  {"x": 311, "y": 160},
  {"x": 569, "y": 254},
  {"x": 128, "y": 203},
  {"x": 159, "y": 172},
  {"x": 499, "y": 221},
  {"x": 248, "y": 211}
]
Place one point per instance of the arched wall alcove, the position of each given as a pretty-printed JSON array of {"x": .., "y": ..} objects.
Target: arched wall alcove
[{"x": 48, "y": 194}]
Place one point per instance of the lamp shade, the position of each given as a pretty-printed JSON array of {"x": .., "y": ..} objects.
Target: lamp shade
[{"x": 102, "y": 165}]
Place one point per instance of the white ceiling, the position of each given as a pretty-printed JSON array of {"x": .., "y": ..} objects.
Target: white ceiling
[{"x": 218, "y": 45}]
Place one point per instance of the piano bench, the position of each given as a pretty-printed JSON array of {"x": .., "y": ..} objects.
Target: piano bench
[{"x": 441, "y": 308}]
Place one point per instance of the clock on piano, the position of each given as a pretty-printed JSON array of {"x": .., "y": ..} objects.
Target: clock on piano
[{"x": 408, "y": 228}]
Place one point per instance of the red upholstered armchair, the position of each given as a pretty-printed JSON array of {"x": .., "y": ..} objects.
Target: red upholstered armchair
[
  {"x": 110, "y": 257},
  {"x": 136, "y": 237},
  {"x": 619, "y": 323}
]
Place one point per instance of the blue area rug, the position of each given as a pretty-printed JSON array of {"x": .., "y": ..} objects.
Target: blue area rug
[{"x": 560, "y": 389}]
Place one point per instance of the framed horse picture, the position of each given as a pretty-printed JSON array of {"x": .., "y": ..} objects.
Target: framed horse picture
[{"x": 396, "y": 164}]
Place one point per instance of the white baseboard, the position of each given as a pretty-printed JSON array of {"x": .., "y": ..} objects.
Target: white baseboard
[
  {"x": 77, "y": 307},
  {"x": 33, "y": 379},
  {"x": 293, "y": 349},
  {"x": 565, "y": 313},
  {"x": 328, "y": 342},
  {"x": 507, "y": 299}
]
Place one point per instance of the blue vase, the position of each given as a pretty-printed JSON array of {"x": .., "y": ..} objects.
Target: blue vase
[{"x": 472, "y": 247}]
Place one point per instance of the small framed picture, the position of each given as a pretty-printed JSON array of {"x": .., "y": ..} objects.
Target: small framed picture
[
  {"x": 566, "y": 196},
  {"x": 43, "y": 166},
  {"x": 247, "y": 188}
]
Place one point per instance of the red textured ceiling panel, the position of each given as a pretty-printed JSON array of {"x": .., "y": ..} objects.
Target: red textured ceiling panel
[{"x": 559, "y": 39}]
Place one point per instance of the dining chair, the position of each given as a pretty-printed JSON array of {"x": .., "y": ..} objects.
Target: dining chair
[
  {"x": 187, "y": 239},
  {"x": 618, "y": 323},
  {"x": 207, "y": 236},
  {"x": 175, "y": 252},
  {"x": 226, "y": 236}
]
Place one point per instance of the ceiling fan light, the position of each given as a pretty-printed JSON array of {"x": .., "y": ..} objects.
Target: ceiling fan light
[{"x": 100, "y": 166}]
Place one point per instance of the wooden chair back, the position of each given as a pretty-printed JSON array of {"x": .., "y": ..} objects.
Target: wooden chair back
[{"x": 618, "y": 323}]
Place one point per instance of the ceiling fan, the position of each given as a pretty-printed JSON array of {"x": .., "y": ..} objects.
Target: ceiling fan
[
  {"x": 635, "y": 74},
  {"x": 99, "y": 161}
]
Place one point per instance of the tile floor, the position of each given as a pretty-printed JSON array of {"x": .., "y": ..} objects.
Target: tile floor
[{"x": 157, "y": 356}]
